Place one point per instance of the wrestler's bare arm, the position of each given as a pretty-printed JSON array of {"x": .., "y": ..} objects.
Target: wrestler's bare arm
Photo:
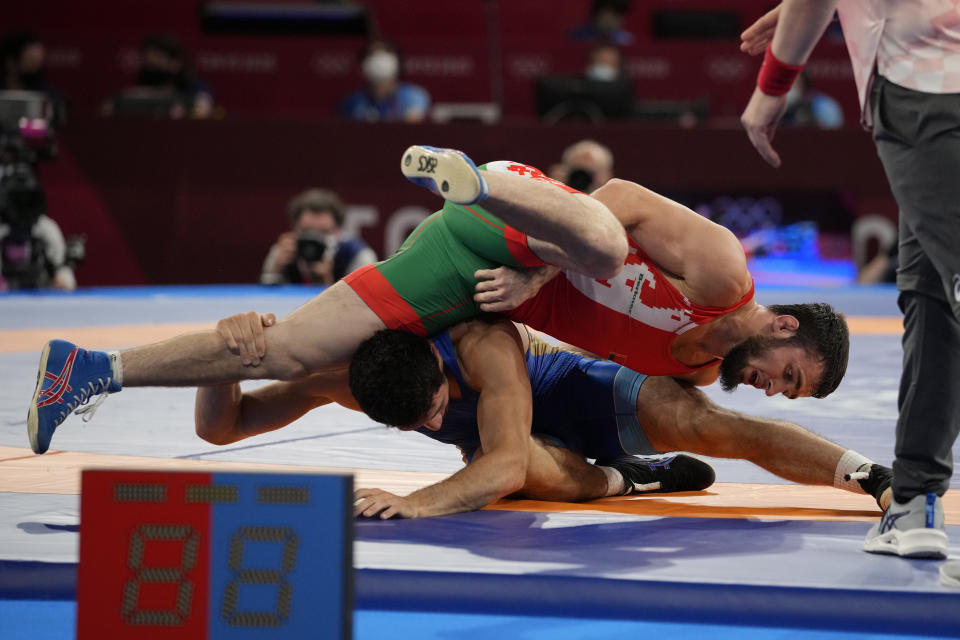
[
  {"x": 493, "y": 364},
  {"x": 504, "y": 289},
  {"x": 705, "y": 255},
  {"x": 224, "y": 414},
  {"x": 796, "y": 29}
]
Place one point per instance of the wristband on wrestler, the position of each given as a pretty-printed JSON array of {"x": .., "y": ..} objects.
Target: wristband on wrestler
[{"x": 776, "y": 77}]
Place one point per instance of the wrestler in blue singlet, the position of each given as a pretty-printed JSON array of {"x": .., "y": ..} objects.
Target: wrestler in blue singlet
[{"x": 589, "y": 406}]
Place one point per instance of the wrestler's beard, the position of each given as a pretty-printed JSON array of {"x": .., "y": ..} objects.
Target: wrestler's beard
[{"x": 733, "y": 364}]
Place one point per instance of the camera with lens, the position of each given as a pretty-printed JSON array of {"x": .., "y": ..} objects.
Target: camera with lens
[
  {"x": 22, "y": 202},
  {"x": 25, "y": 139},
  {"x": 312, "y": 245},
  {"x": 579, "y": 179}
]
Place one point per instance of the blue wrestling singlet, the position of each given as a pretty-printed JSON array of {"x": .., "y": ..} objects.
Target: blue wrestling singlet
[{"x": 588, "y": 405}]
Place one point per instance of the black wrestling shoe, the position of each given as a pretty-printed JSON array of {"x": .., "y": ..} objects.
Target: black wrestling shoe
[
  {"x": 661, "y": 473},
  {"x": 875, "y": 479}
]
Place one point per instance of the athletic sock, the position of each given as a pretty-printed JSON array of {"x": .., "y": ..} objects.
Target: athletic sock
[
  {"x": 850, "y": 463},
  {"x": 615, "y": 482},
  {"x": 116, "y": 364}
]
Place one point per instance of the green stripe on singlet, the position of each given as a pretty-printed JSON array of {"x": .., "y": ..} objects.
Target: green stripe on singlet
[{"x": 433, "y": 269}]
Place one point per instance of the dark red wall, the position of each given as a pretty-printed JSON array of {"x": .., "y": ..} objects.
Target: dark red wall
[
  {"x": 186, "y": 202},
  {"x": 461, "y": 51},
  {"x": 169, "y": 202}
]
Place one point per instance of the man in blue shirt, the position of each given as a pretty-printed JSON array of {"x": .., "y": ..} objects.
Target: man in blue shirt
[{"x": 385, "y": 97}]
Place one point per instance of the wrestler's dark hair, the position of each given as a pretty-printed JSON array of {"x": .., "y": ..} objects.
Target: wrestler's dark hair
[
  {"x": 824, "y": 334},
  {"x": 394, "y": 376}
]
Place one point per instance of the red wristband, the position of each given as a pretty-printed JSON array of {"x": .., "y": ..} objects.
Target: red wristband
[{"x": 776, "y": 77}]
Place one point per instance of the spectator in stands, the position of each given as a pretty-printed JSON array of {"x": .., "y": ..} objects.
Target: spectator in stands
[
  {"x": 586, "y": 165},
  {"x": 164, "y": 83},
  {"x": 385, "y": 97},
  {"x": 604, "y": 62},
  {"x": 605, "y": 23},
  {"x": 807, "y": 107},
  {"x": 600, "y": 92},
  {"x": 315, "y": 250},
  {"x": 23, "y": 68}
]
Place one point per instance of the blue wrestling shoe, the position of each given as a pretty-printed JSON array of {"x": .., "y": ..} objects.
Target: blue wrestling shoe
[
  {"x": 447, "y": 172},
  {"x": 661, "y": 473},
  {"x": 66, "y": 380}
]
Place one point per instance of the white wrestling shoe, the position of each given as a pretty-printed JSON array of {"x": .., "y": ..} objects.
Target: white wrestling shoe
[
  {"x": 913, "y": 529},
  {"x": 447, "y": 172},
  {"x": 950, "y": 573}
]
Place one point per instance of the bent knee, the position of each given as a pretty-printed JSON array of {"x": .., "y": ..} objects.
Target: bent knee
[{"x": 608, "y": 253}]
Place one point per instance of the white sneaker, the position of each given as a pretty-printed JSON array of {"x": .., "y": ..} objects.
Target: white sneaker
[
  {"x": 950, "y": 573},
  {"x": 447, "y": 172},
  {"x": 914, "y": 529}
]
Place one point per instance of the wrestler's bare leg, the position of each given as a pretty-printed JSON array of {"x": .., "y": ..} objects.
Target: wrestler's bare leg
[
  {"x": 559, "y": 474},
  {"x": 322, "y": 333},
  {"x": 678, "y": 417},
  {"x": 569, "y": 230}
]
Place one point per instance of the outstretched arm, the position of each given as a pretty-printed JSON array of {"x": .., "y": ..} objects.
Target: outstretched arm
[
  {"x": 799, "y": 25},
  {"x": 493, "y": 363},
  {"x": 224, "y": 414}
]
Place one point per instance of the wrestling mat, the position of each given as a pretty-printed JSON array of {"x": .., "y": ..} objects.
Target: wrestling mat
[{"x": 752, "y": 549}]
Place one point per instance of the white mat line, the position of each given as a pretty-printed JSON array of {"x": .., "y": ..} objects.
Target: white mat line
[{"x": 276, "y": 442}]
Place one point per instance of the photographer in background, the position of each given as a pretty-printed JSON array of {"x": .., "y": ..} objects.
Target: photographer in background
[
  {"x": 315, "y": 250},
  {"x": 33, "y": 252},
  {"x": 586, "y": 166}
]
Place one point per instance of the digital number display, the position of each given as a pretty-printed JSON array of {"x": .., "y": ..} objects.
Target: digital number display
[{"x": 222, "y": 555}]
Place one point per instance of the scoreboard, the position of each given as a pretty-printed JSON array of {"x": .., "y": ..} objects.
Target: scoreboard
[{"x": 215, "y": 555}]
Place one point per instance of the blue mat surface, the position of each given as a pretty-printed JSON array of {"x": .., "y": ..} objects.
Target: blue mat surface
[
  {"x": 43, "y": 620},
  {"x": 808, "y": 574}
]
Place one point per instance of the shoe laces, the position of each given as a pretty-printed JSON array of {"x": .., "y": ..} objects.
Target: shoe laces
[{"x": 80, "y": 405}]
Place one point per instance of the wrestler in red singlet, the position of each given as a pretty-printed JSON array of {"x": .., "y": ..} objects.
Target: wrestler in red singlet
[{"x": 632, "y": 318}]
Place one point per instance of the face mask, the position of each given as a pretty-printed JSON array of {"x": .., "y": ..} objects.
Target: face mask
[
  {"x": 601, "y": 72},
  {"x": 380, "y": 66}
]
